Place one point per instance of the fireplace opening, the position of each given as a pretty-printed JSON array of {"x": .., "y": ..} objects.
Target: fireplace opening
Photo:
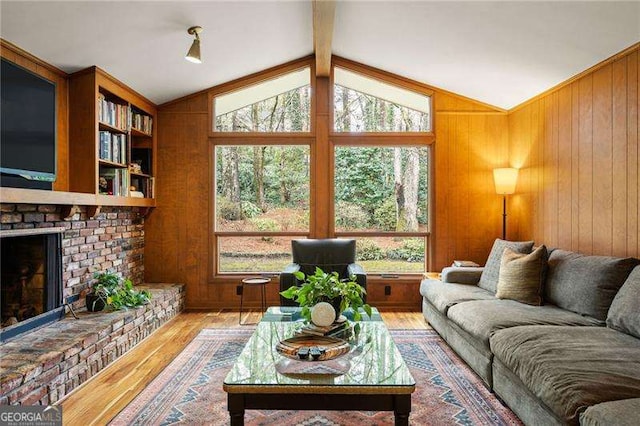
[{"x": 31, "y": 279}]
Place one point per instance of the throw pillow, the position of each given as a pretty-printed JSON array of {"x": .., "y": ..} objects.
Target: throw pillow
[
  {"x": 521, "y": 276},
  {"x": 585, "y": 284},
  {"x": 624, "y": 313},
  {"x": 491, "y": 272}
]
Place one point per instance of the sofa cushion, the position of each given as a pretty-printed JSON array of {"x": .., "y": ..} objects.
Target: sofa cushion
[
  {"x": 444, "y": 295},
  {"x": 585, "y": 284},
  {"x": 521, "y": 276},
  {"x": 625, "y": 412},
  {"x": 482, "y": 318},
  {"x": 624, "y": 314},
  {"x": 489, "y": 278},
  {"x": 571, "y": 368}
]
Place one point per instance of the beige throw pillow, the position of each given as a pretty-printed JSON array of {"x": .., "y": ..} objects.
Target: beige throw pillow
[{"x": 521, "y": 276}]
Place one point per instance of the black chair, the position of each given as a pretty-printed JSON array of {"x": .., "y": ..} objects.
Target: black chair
[{"x": 330, "y": 255}]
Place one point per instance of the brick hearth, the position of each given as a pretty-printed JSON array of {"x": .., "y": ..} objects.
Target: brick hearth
[{"x": 43, "y": 366}]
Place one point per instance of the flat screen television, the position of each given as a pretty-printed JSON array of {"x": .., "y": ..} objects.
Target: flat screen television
[{"x": 27, "y": 123}]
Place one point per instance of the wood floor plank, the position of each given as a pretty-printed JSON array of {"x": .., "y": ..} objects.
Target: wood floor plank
[{"x": 100, "y": 399}]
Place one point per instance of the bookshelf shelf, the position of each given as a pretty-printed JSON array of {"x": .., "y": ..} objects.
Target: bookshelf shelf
[
  {"x": 140, "y": 174},
  {"x": 112, "y": 145},
  {"x": 109, "y": 128},
  {"x": 113, "y": 164},
  {"x": 140, "y": 133}
]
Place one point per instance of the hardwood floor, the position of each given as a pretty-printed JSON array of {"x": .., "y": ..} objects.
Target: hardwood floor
[{"x": 105, "y": 395}]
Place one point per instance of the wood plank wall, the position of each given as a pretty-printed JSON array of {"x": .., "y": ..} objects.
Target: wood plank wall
[
  {"x": 470, "y": 142},
  {"x": 471, "y": 139},
  {"x": 577, "y": 148},
  {"x": 60, "y": 78}
]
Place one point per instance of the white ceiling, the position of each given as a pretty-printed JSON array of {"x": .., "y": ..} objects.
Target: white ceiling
[{"x": 501, "y": 53}]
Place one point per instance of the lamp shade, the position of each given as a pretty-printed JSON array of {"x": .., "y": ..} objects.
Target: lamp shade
[
  {"x": 194, "y": 52},
  {"x": 505, "y": 180}
]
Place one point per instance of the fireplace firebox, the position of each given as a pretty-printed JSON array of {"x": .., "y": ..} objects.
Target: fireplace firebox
[{"x": 31, "y": 280}]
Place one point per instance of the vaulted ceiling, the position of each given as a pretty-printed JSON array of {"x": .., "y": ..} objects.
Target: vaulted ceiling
[{"x": 500, "y": 53}]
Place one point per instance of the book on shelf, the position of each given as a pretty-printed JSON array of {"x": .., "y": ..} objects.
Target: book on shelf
[
  {"x": 113, "y": 114},
  {"x": 141, "y": 122},
  {"x": 464, "y": 263},
  {"x": 113, "y": 147},
  {"x": 105, "y": 145}
]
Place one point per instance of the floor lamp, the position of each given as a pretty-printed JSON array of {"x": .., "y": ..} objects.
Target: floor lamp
[{"x": 505, "y": 180}]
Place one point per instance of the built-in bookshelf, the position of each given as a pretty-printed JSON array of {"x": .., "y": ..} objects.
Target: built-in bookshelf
[{"x": 111, "y": 139}]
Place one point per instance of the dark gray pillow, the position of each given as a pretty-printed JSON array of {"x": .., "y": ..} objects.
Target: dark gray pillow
[
  {"x": 491, "y": 272},
  {"x": 624, "y": 314},
  {"x": 585, "y": 284}
]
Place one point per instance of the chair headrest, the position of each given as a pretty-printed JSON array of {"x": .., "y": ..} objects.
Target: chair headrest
[{"x": 323, "y": 252}]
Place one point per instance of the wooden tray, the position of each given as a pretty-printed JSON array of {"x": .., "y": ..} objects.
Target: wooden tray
[{"x": 332, "y": 347}]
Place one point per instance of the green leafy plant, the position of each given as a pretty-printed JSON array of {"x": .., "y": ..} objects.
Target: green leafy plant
[
  {"x": 118, "y": 293},
  {"x": 326, "y": 287}
]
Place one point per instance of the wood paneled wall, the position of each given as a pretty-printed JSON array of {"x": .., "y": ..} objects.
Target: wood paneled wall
[
  {"x": 471, "y": 139},
  {"x": 60, "y": 78},
  {"x": 577, "y": 148},
  {"x": 470, "y": 142}
]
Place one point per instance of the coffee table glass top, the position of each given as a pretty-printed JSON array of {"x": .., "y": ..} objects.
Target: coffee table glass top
[
  {"x": 374, "y": 364},
  {"x": 292, "y": 313}
]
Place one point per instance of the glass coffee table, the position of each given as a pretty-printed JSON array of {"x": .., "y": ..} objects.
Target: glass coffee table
[{"x": 371, "y": 377}]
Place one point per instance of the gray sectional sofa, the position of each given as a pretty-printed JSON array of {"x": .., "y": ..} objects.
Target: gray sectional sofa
[{"x": 573, "y": 360}]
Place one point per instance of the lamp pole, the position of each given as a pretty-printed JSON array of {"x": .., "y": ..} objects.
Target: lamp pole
[{"x": 504, "y": 217}]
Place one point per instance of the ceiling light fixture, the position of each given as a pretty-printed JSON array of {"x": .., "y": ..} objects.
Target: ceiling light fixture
[{"x": 193, "y": 55}]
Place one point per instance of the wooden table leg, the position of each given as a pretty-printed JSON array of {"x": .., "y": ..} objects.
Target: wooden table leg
[
  {"x": 235, "y": 405},
  {"x": 402, "y": 409}
]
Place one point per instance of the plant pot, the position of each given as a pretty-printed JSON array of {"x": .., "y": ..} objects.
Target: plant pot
[{"x": 95, "y": 303}]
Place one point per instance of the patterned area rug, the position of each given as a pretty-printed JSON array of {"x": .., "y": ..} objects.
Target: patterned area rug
[{"x": 189, "y": 390}]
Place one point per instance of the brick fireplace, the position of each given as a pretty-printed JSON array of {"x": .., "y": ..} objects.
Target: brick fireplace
[
  {"x": 43, "y": 367},
  {"x": 112, "y": 240},
  {"x": 31, "y": 277}
]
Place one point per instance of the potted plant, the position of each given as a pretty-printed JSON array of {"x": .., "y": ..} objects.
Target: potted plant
[
  {"x": 113, "y": 291},
  {"x": 106, "y": 285},
  {"x": 328, "y": 287}
]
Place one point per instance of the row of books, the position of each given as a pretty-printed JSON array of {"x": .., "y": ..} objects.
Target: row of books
[
  {"x": 115, "y": 115},
  {"x": 116, "y": 182},
  {"x": 113, "y": 147},
  {"x": 142, "y": 122},
  {"x": 337, "y": 329}
]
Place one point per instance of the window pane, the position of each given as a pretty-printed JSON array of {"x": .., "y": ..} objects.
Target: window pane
[
  {"x": 282, "y": 104},
  {"x": 381, "y": 189},
  {"x": 262, "y": 188},
  {"x": 391, "y": 254},
  {"x": 363, "y": 104},
  {"x": 254, "y": 254}
]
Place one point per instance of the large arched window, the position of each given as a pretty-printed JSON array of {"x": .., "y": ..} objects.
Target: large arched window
[{"x": 363, "y": 174}]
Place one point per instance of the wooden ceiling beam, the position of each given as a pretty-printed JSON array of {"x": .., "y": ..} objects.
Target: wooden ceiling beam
[{"x": 323, "y": 17}]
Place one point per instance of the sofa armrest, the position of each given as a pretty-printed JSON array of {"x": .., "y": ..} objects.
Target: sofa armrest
[{"x": 461, "y": 275}]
